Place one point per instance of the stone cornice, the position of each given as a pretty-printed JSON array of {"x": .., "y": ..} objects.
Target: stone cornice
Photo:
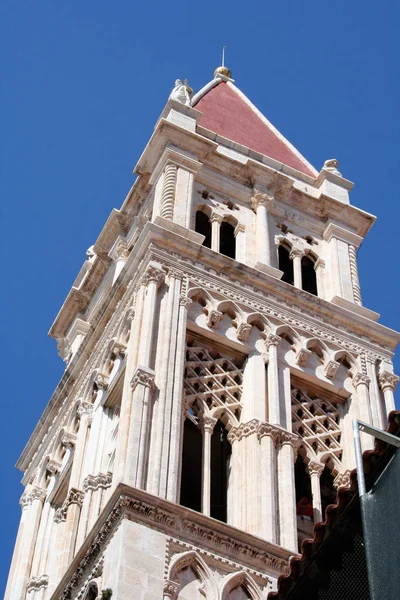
[{"x": 173, "y": 520}]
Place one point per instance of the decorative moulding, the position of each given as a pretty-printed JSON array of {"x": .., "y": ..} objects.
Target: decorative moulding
[{"x": 355, "y": 308}]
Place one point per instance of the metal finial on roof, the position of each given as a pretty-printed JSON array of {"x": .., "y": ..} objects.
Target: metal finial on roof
[{"x": 223, "y": 70}]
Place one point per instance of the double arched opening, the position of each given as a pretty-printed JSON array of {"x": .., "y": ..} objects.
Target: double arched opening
[
  {"x": 298, "y": 269},
  {"x": 219, "y": 234}
]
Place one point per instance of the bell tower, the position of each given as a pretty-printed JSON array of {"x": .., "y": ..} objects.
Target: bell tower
[{"x": 217, "y": 351}]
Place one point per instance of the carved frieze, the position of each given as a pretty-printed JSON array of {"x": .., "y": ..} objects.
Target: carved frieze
[
  {"x": 36, "y": 583},
  {"x": 94, "y": 482}
]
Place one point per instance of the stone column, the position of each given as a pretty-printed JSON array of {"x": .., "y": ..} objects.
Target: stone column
[
  {"x": 268, "y": 437},
  {"x": 287, "y": 491},
  {"x": 240, "y": 243},
  {"x": 72, "y": 508},
  {"x": 207, "y": 428},
  {"x": 361, "y": 384},
  {"x": 119, "y": 253},
  {"x": 260, "y": 203},
  {"x": 142, "y": 384},
  {"x": 32, "y": 503},
  {"x": 354, "y": 275},
  {"x": 388, "y": 383},
  {"x": 315, "y": 469},
  {"x": 296, "y": 256},
  {"x": 272, "y": 343},
  {"x": 215, "y": 221},
  {"x": 169, "y": 189}
]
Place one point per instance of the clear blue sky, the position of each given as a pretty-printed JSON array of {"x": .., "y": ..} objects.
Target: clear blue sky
[{"x": 83, "y": 85}]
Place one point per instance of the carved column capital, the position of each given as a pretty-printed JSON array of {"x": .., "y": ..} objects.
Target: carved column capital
[
  {"x": 68, "y": 440},
  {"x": 296, "y": 253},
  {"x": 118, "y": 350},
  {"x": 268, "y": 430},
  {"x": 74, "y": 496},
  {"x": 36, "y": 583},
  {"x": 170, "y": 590},
  {"x": 388, "y": 381},
  {"x": 185, "y": 301},
  {"x": 243, "y": 430},
  {"x": 153, "y": 273},
  {"x": 207, "y": 424},
  {"x": 94, "y": 482},
  {"x": 272, "y": 340},
  {"x": 84, "y": 408},
  {"x": 342, "y": 479},
  {"x": 361, "y": 379},
  {"x": 315, "y": 468},
  {"x": 261, "y": 198},
  {"x": 216, "y": 218},
  {"x": 288, "y": 438},
  {"x": 143, "y": 376}
]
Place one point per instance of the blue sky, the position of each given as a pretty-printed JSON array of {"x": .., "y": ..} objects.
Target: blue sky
[{"x": 83, "y": 85}]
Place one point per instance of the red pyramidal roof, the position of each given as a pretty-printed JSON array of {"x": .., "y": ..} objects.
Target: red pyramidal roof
[{"x": 227, "y": 112}]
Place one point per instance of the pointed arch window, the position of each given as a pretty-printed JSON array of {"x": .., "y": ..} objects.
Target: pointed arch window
[
  {"x": 308, "y": 275},
  {"x": 285, "y": 264}
]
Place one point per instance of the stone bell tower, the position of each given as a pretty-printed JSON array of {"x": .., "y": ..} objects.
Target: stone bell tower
[{"x": 216, "y": 352}]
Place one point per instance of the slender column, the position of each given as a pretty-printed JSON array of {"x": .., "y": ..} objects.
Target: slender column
[
  {"x": 267, "y": 435},
  {"x": 72, "y": 508},
  {"x": 260, "y": 203},
  {"x": 17, "y": 548},
  {"x": 207, "y": 427},
  {"x": 336, "y": 279},
  {"x": 296, "y": 256},
  {"x": 354, "y": 275},
  {"x": 135, "y": 315},
  {"x": 215, "y": 221},
  {"x": 169, "y": 189},
  {"x": 320, "y": 271},
  {"x": 272, "y": 343},
  {"x": 286, "y": 491},
  {"x": 33, "y": 500},
  {"x": 142, "y": 384},
  {"x": 174, "y": 465},
  {"x": 388, "y": 383},
  {"x": 361, "y": 384},
  {"x": 240, "y": 243},
  {"x": 315, "y": 469}
]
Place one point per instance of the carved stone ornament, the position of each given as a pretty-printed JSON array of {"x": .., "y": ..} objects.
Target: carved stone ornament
[
  {"x": 388, "y": 381},
  {"x": 61, "y": 514},
  {"x": 171, "y": 589},
  {"x": 68, "y": 440},
  {"x": 342, "y": 479},
  {"x": 213, "y": 318},
  {"x": 34, "y": 493},
  {"x": 74, "y": 496},
  {"x": 315, "y": 468},
  {"x": 361, "y": 379},
  {"x": 84, "y": 408},
  {"x": 216, "y": 218},
  {"x": 53, "y": 466},
  {"x": 144, "y": 377},
  {"x": 94, "y": 482},
  {"x": 243, "y": 331},
  {"x": 36, "y": 583},
  {"x": 64, "y": 349},
  {"x": 296, "y": 253},
  {"x": 243, "y": 430},
  {"x": 302, "y": 357},
  {"x": 261, "y": 198},
  {"x": 331, "y": 368},
  {"x": 118, "y": 350},
  {"x": 102, "y": 381},
  {"x": 332, "y": 166},
  {"x": 185, "y": 301},
  {"x": 120, "y": 252},
  {"x": 207, "y": 424},
  {"x": 273, "y": 340},
  {"x": 153, "y": 274}
]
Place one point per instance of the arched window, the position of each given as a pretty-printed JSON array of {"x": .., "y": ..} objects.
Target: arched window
[
  {"x": 191, "y": 466},
  {"x": 308, "y": 275},
  {"x": 203, "y": 226},
  {"x": 227, "y": 240},
  {"x": 220, "y": 464},
  {"x": 285, "y": 264}
]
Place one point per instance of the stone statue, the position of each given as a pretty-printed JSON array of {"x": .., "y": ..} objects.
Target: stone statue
[
  {"x": 332, "y": 166},
  {"x": 181, "y": 92}
]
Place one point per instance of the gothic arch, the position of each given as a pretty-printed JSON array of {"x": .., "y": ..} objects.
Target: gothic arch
[
  {"x": 230, "y": 308},
  {"x": 193, "y": 560},
  {"x": 235, "y": 580},
  {"x": 201, "y": 296},
  {"x": 342, "y": 356},
  {"x": 259, "y": 321},
  {"x": 319, "y": 347},
  {"x": 285, "y": 332}
]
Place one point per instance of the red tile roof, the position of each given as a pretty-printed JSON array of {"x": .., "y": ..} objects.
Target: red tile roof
[{"x": 227, "y": 113}]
